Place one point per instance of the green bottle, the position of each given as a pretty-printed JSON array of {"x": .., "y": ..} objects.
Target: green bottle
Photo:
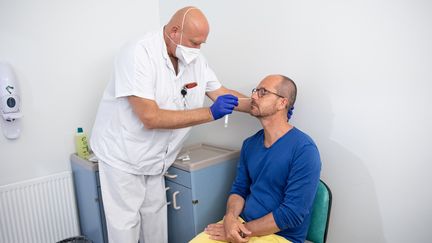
[{"x": 81, "y": 144}]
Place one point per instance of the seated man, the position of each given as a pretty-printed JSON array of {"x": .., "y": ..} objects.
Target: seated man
[{"x": 277, "y": 175}]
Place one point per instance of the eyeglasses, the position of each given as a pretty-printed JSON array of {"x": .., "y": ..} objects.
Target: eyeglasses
[{"x": 262, "y": 92}]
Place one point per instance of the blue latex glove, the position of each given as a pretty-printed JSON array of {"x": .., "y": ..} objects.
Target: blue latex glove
[
  {"x": 290, "y": 112},
  {"x": 223, "y": 105}
]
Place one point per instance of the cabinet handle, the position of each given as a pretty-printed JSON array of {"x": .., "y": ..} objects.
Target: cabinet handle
[
  {"x": 175, "y": 200},
  {"x": 166, "y": 189},
  {"x": 170, "y": 176}
]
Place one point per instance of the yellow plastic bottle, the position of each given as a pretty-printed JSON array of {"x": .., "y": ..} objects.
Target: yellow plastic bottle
[{"x": 81, "y": 144}]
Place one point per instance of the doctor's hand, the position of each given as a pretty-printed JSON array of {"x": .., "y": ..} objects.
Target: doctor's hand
[
  {"x": 290, "y": 112},
  {"x": 223, "y": 105}
]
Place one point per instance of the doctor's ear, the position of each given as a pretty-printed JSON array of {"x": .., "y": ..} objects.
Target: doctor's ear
[{"x": 175, "y": 29}]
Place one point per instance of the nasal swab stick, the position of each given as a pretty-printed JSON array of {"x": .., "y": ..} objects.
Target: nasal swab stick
[{"x": 226, "y": 116}]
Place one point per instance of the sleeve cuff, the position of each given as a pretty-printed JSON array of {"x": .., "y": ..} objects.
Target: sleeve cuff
[{"x": 138, "y": 94}]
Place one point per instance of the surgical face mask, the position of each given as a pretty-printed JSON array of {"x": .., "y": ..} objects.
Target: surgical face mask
[{"x": 184, "y": 53}]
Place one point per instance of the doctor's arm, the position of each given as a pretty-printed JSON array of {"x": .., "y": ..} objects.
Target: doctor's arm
[
  {"x": 155, "y": 118},
  {"x": 244, "y": 104}
]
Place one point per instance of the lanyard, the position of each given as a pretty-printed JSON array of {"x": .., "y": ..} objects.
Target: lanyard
[{"x": 184, "y": 92}]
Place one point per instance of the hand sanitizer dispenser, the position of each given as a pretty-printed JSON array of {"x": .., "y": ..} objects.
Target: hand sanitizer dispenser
[{"x": 10, "y": 103}]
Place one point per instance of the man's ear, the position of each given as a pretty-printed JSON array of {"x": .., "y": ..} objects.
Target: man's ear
[{"x": 283, "y": 104}]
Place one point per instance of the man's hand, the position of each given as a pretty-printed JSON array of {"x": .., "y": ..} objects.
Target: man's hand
[
  {"x": 235, "y": 231},
  {"x": 216, "y": 232},
  {"x": 223, "y": 105}
]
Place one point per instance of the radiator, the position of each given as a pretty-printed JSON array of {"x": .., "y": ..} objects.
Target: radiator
[{"x": 41, "y": 210}]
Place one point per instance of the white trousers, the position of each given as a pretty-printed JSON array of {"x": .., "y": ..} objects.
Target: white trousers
[{"x": 135, "y": 206}]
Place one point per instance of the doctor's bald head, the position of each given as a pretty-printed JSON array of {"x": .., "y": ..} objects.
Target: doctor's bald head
[{"x": 190, "y": 22}]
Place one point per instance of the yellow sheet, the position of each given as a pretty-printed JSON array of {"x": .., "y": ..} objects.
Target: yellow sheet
[{"x": 204, "y": 238}]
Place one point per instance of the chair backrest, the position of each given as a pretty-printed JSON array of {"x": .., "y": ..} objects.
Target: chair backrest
[{"x": 317, "y": 232}]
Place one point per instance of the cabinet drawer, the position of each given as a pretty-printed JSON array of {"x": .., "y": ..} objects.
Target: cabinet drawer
[{"x": 178, "y": 176}]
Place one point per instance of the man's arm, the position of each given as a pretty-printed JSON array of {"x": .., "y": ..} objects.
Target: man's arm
[
  {"x": 299, "y": 193},
  {"x": 301, "y": 188},
  {"x": 235, "y": 231},
  {"x": 232, "y": 229},
  {"x": 244, "y": 104},
  {"x": 263, "y": 226},
  {"x": 235, "y": 206}
]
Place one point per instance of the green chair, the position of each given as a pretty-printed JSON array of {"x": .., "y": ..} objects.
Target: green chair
[{"x": 317, "y": 232}]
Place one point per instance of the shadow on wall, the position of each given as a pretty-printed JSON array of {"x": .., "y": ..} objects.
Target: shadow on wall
[{"x": 355, "y": 215}]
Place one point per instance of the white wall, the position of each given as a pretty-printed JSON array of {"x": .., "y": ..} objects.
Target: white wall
[
  {"x": 62, "y": 53},
  {"x": 363, "y": 70}
]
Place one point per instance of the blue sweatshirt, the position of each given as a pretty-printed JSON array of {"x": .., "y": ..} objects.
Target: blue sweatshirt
[{"x": 281, "y": 179}]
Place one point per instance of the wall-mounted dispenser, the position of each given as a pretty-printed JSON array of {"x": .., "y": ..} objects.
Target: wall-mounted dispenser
[{"x": 10, "y": 102}]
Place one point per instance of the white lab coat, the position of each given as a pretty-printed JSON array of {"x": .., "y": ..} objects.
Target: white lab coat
[{"x": 135, "y": 158}]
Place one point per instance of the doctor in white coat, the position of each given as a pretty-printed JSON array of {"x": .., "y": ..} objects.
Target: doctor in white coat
[{"x": 156, "y": 94}]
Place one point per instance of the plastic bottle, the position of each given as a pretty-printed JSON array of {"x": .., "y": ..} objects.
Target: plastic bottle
[{"x": 81, "y": 144}]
